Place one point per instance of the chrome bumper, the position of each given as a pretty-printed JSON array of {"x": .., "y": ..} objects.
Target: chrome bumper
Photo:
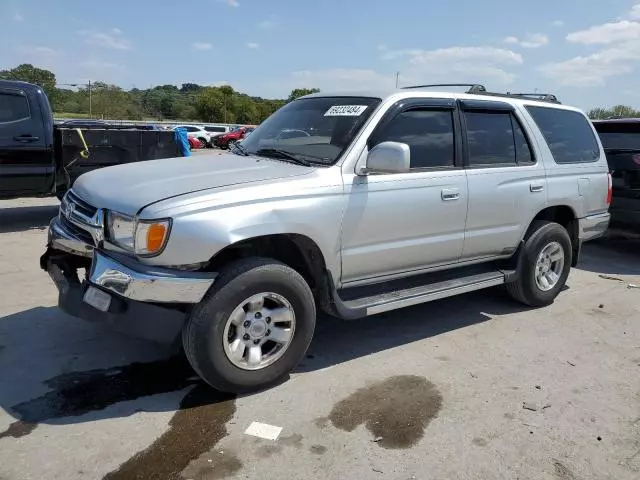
[
  {"x": 127, "y": 277},
  {"x": 593, "y": 226}
]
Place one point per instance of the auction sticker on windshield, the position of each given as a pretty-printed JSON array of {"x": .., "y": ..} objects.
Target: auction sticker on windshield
[{"x": 345, "y": 111}]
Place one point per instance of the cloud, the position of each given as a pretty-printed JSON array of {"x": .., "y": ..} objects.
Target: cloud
[
  {"x": 341, "y": 79},
  {"x": 252, "y": 45},
  {"x": 635, "y": 12},
  {"x": 113, "y": 40},
  {"x": 41, "y": 56},
  {"x": 477, "y": 63},
  {"x": 268, "y": 23},
  {"x": 100, "y": 65},
  {"x": 231, "y": 3},
  {"x": 533, "y": 40},
  {"x": 593, "y": 70},
  {"x": 557, "y": 23},
  {"x": 607, "y": 33},
  {"x": 18, "y": 17},
  {"x": 202, "y": 46}
]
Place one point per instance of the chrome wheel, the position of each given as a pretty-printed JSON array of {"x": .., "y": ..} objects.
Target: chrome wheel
[
  {"x": 259, "y": 331},
  {"x": 549, "y": 266}
]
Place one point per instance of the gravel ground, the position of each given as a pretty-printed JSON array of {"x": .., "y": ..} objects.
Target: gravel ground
[{"x": 473, "y": 387}]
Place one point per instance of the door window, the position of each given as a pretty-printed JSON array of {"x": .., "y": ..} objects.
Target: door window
[
  {"x": 496, "y": 139},
  {"x": 429, "y": 134},
  {"x": 13, "y": 107}
]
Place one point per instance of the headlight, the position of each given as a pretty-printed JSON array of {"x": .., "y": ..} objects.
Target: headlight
[
  {"x": 120, "y": 230},
  {"x": 151, "y": 236}
]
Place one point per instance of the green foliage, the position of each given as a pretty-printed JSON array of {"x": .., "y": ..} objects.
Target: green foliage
[
  {"x": 28, "y": 73},
  {"x": 618, "y": 111},
  {"x": 190, "y": 101}
]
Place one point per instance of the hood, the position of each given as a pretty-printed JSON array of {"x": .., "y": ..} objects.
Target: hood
[{"x": 130, "y": 187}]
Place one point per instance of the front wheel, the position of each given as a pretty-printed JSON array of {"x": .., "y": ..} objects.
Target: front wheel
[
  {"x": 545, "y": 264},
  {"x": 253, "y": 326},
  {"x": 204, "y": 143}
]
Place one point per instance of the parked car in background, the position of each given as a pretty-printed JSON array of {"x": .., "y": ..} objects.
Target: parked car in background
[
  {"x": 621, "y": 141},
  {"x": 414, "y": 196},
  {"x": 194, "y": 143},
  {"x": 41, "y": 158},
  {"x": 217, "y": 130},
  {"x": 228, "y": 139},
  {"x": 198, "y": 132}
]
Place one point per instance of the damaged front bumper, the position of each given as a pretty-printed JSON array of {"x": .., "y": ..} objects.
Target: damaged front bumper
[{"x": 118, "y": 291}]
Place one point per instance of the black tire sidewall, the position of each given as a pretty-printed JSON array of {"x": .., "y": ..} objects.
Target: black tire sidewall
[
  {"x": 539, "y": 239},
  {"x": 208, "y": 356}
]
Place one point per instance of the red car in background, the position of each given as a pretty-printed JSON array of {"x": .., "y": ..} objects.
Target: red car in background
[
  {"x": 194, "y": 143},
  {"x": 228, "y": 139}
]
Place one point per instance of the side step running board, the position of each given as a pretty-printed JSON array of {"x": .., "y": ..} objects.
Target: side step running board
[{"x": 361, "y": 303}]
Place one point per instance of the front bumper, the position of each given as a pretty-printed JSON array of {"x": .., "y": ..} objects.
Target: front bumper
[{"x": 146, "y": 302}]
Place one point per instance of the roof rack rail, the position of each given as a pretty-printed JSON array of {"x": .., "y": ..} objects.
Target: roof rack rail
[
  {"x": 473, "y": 87},
  {"x": 547, "y": 97}
]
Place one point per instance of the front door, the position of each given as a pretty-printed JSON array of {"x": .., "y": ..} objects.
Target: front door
[
  {"x": 397, "y": 223},
  {"x": 26, "y": 161}
]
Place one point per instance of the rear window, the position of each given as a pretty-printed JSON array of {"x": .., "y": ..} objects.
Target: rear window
[
  {"x": 619, "y": 135},
  {"x": 13, "y": 107},
  {"x": 568, "y": 134},
  {"x": 215, "y": 129}
]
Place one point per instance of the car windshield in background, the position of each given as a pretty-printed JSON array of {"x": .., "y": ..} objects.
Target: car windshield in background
[
  {"x": 619, "y": 136},
  {"x": 316, "y": 130}
]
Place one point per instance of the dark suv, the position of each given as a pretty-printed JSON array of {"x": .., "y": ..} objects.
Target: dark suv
[{"x": 621, "y": 141}]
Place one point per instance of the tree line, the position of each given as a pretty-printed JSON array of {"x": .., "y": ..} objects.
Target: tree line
[{"x": 190, "y": 101}]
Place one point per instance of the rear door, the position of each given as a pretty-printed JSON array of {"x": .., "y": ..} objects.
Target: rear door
[
  {"x": 26, "y": 158},
  {"x": 507, "y": 182}
]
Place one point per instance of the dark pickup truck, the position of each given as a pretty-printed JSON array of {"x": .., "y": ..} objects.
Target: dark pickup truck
[
  {"x": 38, "y": 158},
  {"x": 620, "y": 138}
]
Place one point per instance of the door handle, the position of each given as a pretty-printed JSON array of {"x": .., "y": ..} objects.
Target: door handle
[
  {"x": 449, "y": 194},
  {"x": 26, "y": 138},
  {"x": 536, "y": 187}
]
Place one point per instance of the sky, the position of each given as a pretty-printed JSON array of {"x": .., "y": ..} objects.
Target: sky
[{"x": 586, "y": 52}]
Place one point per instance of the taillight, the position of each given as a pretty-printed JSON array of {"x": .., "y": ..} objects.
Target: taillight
[
  {"x": 609, "y": 189},
  {"x": 636, "y": 159}
]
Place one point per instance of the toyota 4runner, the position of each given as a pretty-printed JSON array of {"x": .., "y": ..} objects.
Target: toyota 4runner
[{"x": 354, "y": 204}]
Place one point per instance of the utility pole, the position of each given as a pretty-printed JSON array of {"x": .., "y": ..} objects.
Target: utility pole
[
  {"x": 397, "y": 77},
  {"x": 90, "y": 116}
]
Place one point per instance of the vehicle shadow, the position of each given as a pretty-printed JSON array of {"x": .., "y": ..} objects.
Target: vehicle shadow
[
  {"x": 71, "y": 390},
  {"x": 19, "y": 219},
  {"x": 615, "y": 254},
  {"x": 338, "y": 341}
]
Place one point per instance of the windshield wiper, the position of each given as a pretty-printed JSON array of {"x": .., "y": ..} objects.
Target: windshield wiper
[
  {"x": 283, "y": 154},
  {"x": 241, "y": 149}
]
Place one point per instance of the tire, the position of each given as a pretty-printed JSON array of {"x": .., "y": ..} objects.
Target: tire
[
  {"x": 206, "y": 339},
  {"x": 204, "y": 143},
  {"x": 230, "y": 144},
  {"x": 527, "y": 289}
]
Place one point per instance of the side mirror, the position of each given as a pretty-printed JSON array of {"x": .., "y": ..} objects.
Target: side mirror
[{"x": 388, "y": 157}]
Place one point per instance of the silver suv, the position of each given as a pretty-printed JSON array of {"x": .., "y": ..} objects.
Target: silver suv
[{"x": 354, "y": 204}]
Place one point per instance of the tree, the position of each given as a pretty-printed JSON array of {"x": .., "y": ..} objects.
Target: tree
[
  {"x": 618, "y": 111},
  {"x": 28, "y": 73},
  {"x": 301, "y": 92}
]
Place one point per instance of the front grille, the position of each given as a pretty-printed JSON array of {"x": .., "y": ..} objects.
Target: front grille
[
  {"x": 76, "y": 230},
  {"x": 82, "y": 206}
]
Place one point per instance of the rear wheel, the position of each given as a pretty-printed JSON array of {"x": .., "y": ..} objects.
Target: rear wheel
[
  {"x": 252, "y": 328},
  {"x": 231, "y": 144},
  {"x": 203, "y": 141},
  {"x": 545, "y": 265}
]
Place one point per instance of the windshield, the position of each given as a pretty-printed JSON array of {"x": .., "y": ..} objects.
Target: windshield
[{"x": 316, "y": 130}]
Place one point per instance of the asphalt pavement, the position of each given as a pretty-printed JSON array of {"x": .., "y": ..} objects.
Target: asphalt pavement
[{"x": 471, "y": 387}]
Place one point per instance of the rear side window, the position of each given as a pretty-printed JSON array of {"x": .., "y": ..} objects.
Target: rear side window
[
  {"x": 496, "y": 138},
  {"x": 13, "y": 107},
  {"x": 568, "y": 134},
  {"x": 214, "y": 129},
  {"x": 429, "y": 134}
]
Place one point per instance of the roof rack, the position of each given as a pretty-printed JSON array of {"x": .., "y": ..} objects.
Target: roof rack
[
  {"x": 478, "y": 89},
  {"x": 473, "y": 87}
]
